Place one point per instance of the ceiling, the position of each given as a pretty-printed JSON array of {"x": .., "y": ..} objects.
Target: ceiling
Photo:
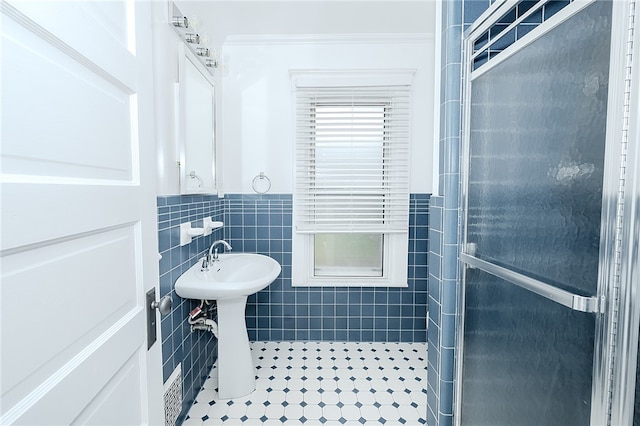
[{"x": 220, "y": 19}]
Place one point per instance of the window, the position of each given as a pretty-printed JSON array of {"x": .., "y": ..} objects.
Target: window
[
  {"x": 351, "y": 186},
  {"x": 348, "y": 255}
]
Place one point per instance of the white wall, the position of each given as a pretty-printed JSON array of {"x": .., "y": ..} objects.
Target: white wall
[
  {"x": 165, "y": 68},
  {"x": 254, "y": 129},
  {"x": 256, "y": 126}
]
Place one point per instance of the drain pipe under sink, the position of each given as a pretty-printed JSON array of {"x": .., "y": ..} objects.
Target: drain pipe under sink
[{"x": 206, "y": 325}]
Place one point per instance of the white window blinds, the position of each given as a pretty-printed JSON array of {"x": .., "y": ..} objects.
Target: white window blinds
[{"x": 352, "y": 159}]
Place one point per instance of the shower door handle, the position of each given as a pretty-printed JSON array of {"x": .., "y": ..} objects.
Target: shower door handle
[{"x": 574, "y": 301}]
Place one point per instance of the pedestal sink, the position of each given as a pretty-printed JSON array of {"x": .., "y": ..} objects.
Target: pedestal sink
[{"x": 229, "y": 281}]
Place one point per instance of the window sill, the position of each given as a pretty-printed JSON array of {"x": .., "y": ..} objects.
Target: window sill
[{"x": 349, "y": 282}]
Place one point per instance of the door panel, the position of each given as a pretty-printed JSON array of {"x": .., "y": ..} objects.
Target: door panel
[
  {"x": 106, "y": 34},
  {"x": 73, "y": 90},
  {"x": 112, "y": 404},
  {"x": 78, "y": 242},
  {"x": 64, "y": 395},
  {"x": 537, "y": 138},
  {"x": 527, "y": 360},
  {"x": 30, "y": 273}
]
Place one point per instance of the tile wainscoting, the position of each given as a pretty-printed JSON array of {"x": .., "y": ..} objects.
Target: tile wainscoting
[{"x": 263, "y": 224}]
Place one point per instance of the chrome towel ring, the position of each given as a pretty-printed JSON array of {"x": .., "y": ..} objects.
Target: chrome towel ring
[
  {"x": 261, "y": 184},
  {"x": 192, "y": 174}
]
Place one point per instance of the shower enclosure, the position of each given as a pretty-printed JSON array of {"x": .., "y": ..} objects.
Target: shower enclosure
[{"x": 543, "y": 238}]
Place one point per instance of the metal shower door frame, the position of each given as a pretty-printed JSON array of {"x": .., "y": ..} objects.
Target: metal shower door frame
[
  {"x": 628, "y": 319},
  {"x": 605, "y": 303}
]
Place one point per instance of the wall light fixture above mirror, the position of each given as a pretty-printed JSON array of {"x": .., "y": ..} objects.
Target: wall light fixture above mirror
[{"x": 190, "y": 31}]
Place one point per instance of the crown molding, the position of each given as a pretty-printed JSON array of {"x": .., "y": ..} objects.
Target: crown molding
[
  {"x": 240, "y": 40},
  {"x": 351, "y": 77}
]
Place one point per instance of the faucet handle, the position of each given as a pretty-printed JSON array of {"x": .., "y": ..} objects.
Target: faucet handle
[{"x": 206, "y": 261}]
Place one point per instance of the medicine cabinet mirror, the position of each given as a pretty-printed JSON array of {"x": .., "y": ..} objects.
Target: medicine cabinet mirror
[{"x": 195, "y": 124}]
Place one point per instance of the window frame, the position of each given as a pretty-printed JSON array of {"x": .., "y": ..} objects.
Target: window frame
[
  {"x": 394, "y": 265},
  {"x": 395, "y": 243}
]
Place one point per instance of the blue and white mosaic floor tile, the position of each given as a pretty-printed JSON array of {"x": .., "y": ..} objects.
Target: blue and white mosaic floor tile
[{"x": 324, "y": 383}]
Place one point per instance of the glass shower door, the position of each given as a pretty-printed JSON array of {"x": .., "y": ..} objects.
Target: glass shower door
[{"x": 536, "y": 142}]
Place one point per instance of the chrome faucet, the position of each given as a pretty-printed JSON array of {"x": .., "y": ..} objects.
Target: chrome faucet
[
  {"x": 212, "y": 256},
  {"x": 214, "y": 249}
]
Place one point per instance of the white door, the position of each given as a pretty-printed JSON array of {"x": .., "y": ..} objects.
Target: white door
[{"x": 78, "y": 237}]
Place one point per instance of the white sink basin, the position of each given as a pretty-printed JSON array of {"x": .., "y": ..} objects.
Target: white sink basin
[
  {"x": 229, "y": 281},
  {"x": 232, "y": 276}
]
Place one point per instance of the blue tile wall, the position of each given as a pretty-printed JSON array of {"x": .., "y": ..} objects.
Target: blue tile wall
[
  {"x": 444, "y": 233},
  {"x": 263, "y": 224},
  {"x": 435, "y": 324},
  {"x": 195, "y": 351}
]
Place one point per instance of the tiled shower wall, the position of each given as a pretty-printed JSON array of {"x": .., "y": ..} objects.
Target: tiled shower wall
[
  {"x": 441, "y": 336},
  {"x": 263, "y": 224},
  {"x": 443, "y": 255}
]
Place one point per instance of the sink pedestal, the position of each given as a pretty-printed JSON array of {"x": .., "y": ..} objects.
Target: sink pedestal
[
  {"x": 229, "y": 280},
  {"x": 236, "y": 373}
]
